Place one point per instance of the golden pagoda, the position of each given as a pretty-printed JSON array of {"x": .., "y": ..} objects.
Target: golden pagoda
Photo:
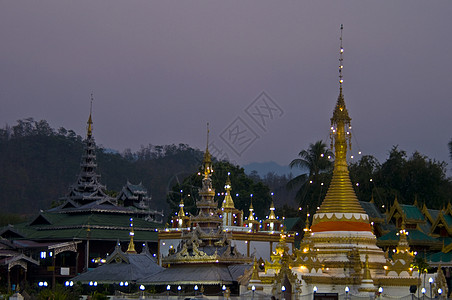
[
  {"x": 251, "y": 222},
  {"x": 180, "y": 220},
  {"x": 207, "y": 219},
  {"x": 231, "y": 216},
  {"x": 340, "y": 238},
  {"x": 131, "y": 248},
  {"x": 272, "y": 223}
]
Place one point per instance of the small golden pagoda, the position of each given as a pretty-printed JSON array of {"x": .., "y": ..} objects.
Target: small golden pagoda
[
  {"x": 131, "y": 248},
  {"x": 400, "y": 264},
  {"x": 272, "y": 223},
  {"x": 231, "y": 216},
  {"x": 180, "y": 220},
  {"x": 251, "y": 222}
]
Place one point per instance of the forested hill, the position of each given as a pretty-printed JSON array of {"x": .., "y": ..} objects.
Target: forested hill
[{"x": 38, "y": 164}]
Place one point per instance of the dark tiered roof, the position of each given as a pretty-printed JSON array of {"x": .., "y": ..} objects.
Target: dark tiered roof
[{"x": 122, "y": 267}]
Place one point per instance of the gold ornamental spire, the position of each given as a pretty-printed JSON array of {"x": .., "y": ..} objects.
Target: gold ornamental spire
[
  {"x": 340, "y": 196},
  {"x": 228, "y": 201},
  {"x": 181, "y": 212},
  {"x": 90, "y": 120},
  {"x": 131, "y": 248},
  {"x": 307, "y": 229},
  {"x": 272, "y": 215},
  {"x": 367, "y": 275},
  {"x": 251, "y": 209},
  {"x": 207, "y": 161}
]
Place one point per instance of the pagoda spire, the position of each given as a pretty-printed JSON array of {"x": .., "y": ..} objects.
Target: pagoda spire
[
  {"x": 207, "y": 161},
  {"x": 181, "y": 212},
  {"x": 251, "y": 209},
  {"x": 207, "y": 218},
  {"x": 307, "y": 229},
  {"x": 252, "y": 223},
  {"x": 89, "y": 130},
  {"x": 341, "y": 198},
  {"x": 228, "y": 201},
  {"x": 131, "y": 248},
  {"x": 272, "y": 215},
  {"x": 88, "y": 187}
]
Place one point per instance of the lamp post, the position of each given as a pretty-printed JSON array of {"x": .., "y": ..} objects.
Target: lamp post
[
  {"x": 224, "y": 291},
  {"x": 423, "y": 293},
  {"x": 142, "y": 288},
  {"x": 178, "y": 290},
  {"x": 283, "y": 290},
  {"x": 168, "y": 288},
  {"x": 196, "y": 290},
  {"x": 430, "y": 281},
  {"x": 315, "y": 291},
  {"x": 253, "y": 288},
  {"x": 347, "y": 289},
  {"x": 440, "y": 291},
  {"x": 380, "y": 291}
]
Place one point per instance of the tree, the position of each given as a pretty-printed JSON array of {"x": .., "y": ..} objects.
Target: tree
[
  {"x": 362, "y": 175},
  {"x": 417, "y": 177},
  {"x": 317, "y": 160}
]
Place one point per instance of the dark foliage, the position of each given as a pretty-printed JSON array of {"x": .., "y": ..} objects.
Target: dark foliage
[
  {"x": 416, "y": 177},
  {"x": 312, "y": 186},
  {"x": 39, "y": 164}
]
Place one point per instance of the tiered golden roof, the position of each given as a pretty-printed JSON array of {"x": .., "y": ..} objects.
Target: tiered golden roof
[
  {"x": 340, "y": 196},
  {"x": 340, "y": 208}
]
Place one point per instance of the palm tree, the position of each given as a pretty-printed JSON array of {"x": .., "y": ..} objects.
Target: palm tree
[{"x": 317, "y": 159}]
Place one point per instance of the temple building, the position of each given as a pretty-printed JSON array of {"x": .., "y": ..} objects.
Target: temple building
[
  {"x": 248, "y": 235},
  {"x": 205, "y": 260},
  {"x": 120, "y": 269},
  {"x": 72, "y": 237}
]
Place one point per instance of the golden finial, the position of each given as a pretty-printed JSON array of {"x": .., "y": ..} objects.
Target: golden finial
[
  {"x": 341, "y": 196},
  {"x": 90, "y": 120},
  {"x": 228, "y": 201},
  {"x": 366, "y": 268},
  {"x": 207, "y": 162},
  {"x": 341, "y": 59},
  {"x": 272, "y": 215},
  {"x": 307, "y": 228},
  {"x": 131, "y": 248},
  {"x": 251, "y": 209},
  {"x": 208, "y": 132},
  {"x": 340, "y": 119},
  {"x": 181, "y": 205}
]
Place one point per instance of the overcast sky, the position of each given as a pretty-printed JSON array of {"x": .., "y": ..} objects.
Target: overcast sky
[{"x": 160, "y": 70}]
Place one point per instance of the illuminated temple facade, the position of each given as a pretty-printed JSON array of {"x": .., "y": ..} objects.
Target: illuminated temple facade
[{"x": 248, "y": 235}]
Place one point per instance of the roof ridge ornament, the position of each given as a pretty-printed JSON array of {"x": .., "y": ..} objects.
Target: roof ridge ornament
[
  {"x": 207, "y": 161},
  {"x": 90, "y": 119}
]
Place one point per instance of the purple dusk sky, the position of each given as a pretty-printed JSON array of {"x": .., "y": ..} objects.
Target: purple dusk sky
[{"x": 160, "y": 70}]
